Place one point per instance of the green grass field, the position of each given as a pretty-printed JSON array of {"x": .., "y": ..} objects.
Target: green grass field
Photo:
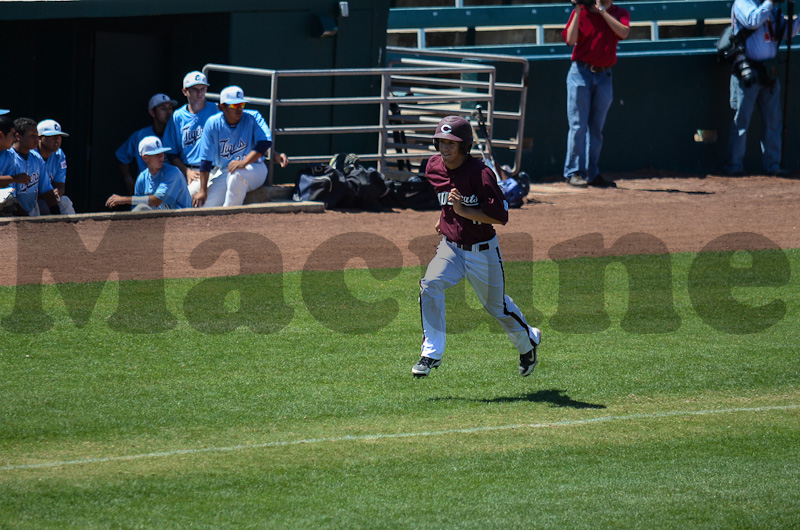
[{"x": 308, "y": 416}]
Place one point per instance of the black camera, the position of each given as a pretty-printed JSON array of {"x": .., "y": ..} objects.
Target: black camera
[
  {"x": 743, "y": 69},
  {"x": 586, "y": 3}
]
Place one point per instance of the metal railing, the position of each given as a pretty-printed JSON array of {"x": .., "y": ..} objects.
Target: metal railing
[{"x": 415, "y": 92}]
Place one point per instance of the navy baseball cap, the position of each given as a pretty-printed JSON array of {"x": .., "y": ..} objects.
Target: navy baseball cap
[
  {"x": 454, "y": 128},
  {"x": 151, "y": 145}
]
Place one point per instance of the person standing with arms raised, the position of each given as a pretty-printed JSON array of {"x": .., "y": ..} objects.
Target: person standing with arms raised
[{"x": 593, "y": 31}]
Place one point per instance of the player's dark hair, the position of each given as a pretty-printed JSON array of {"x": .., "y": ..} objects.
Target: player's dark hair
[
  {"x": 464, "y": 147},
  {"x": 23, "y": 125},
  {"x": 6, "y": 124}
]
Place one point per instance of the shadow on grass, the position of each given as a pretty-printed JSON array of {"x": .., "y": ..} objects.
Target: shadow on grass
[{"x": 557, "y": 398}]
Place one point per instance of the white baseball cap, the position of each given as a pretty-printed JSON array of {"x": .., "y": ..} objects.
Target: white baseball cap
[
  {"x": 158, "y": 99},
  {"x": 195, "y": 78},
  {"x": 50, "y": 128},
  {"x": 151, "y": 145},
  {"x": 231, "y": 95}
]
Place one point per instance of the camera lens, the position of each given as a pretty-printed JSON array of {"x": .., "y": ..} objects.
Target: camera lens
[{"x": 744, "y": 70}]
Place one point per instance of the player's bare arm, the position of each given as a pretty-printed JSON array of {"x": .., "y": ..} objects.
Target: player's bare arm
[
  {"x": 19, "y": 178},
  {"x": 280, "y": 158},
  {"x": 190, "y": 174},
  {"x": 473, "y": 213},
  {"x": 199, "y": 198},
  {"x": 251, "y": 157},
  {"x": 121, "y": 200}
]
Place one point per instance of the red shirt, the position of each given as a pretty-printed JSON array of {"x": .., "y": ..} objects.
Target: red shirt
[
  {"x": 478, "y": 187},
  {"x": 597, "y": 42}
]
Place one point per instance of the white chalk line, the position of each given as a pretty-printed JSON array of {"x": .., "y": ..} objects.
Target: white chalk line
[{"x": 370, "y": 437}]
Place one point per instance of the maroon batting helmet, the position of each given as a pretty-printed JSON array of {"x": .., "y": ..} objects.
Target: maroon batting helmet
[{"x": 454, "y": 128}]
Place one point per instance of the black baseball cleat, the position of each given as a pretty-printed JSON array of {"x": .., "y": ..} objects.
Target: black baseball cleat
[
  {"x": 528, "y": 362},
  {"x": 424, "y": 365},
  {"x": 600, "y": 182}
]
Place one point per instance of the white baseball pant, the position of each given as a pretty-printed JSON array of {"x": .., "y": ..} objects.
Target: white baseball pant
[
  {"x": 484, "y": 271},
  {"x": 229, "y": 189},
  {"x": 65, "y": 203}
]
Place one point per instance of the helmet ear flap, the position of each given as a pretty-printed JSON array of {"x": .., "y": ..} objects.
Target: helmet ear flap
[{"x": 436, "y": 143}]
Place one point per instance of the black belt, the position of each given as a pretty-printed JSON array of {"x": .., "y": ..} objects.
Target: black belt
[
  {"x": 192, "y": 167},
  {"x": 593, "y": 68},
  {"x": 462, "y": 246}
]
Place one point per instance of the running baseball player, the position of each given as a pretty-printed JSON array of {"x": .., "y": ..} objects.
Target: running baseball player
[
  {"x": 234, "y": 143},
  {"x": 471, "y": 204},
  {"x": 160, "y": 107},
  {"x": 50, "y": 135},
  {"x": 159, "y": 186},
  {"x": 33, "y": 165},
  {"x": 185, "y": 128}
]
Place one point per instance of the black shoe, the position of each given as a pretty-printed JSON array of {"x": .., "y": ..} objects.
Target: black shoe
[
  {"x": 424, "y": 365},
  {"x": 600, "y": 182},
  {"x": 577, "y": 181},
  {"x": 780, "y": 172},
  {"x": 734, "y": 173},
  {"x": 528, "y": 362}
]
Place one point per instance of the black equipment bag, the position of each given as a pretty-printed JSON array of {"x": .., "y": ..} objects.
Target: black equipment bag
[{"x": 323, "y": 183}]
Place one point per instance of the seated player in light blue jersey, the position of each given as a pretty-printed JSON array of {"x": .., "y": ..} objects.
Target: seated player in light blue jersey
[
  {"x": 10, "y": 172},
  {"x": 160, "y": 186},
  {"x": 160, "y": 107},
  {"x": 50, "y": 135},
  {"x": 185, "y": 128},
  {"x": 234, "y": 143},
  {"x": 33, "y": 165}
]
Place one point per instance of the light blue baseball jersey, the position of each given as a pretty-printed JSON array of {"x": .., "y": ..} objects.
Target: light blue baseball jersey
[
  {"x": 261, "y": 123},
  {"x": 56, "y": 166},
  {"x": 28, "y": 194},
  {"x": 221, "y": 143},
  {"x": 9, "y": 165},
  {"x": 169, "y": 185},
  {"x": 184, "y": 131},
  {"x": 129, "y": 150}
]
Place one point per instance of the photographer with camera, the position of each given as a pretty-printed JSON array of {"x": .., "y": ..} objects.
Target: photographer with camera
[
  {"x": 593, "y": 30},
  {"x": 754, "y": 81}
]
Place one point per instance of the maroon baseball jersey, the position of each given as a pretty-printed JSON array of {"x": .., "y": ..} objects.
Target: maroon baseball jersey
[{"x": 478, "y": 187}]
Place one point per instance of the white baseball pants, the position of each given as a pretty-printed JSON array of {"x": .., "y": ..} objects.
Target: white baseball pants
[
  {"x": 484, "y": 271},
  {"x": 229, "y": 189},
  {"x": 65, "y": 203}
]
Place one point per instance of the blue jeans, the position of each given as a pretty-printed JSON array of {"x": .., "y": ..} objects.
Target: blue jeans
[
  {"x": 743, "y": 101},
  {"x": 589, "y": 96}
]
